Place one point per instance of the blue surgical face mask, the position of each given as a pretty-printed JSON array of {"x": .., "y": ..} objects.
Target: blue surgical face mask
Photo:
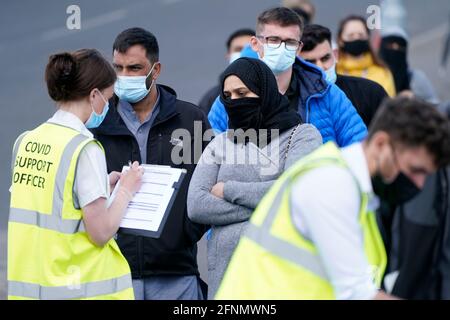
[
  {"x": 331, "y": 75},
  {"x": 95, "y": 120},
  {"x": 279, "y": 59},
  {"x": 133, "y": 88},
  {"x": 234, "y": 56}
]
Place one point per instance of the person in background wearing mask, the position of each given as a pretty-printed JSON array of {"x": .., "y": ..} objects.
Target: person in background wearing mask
[
  {"x": 365, "y": 95},
  {"x": 314, "y": 235},
  {"x": 236, "y": 42},
  {"x": 60, "y": 230},
  {"x": 304, "y": 8},
  {"x": 356, "y": 56},
  {"x": 394, "y": 51},
  {"x": 224, "y": 191},
  {"x": 318, "y": 102},
  {"x": 139, "y": 127}
]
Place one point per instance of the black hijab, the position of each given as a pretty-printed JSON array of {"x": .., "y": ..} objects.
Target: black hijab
[{"x": 271, "y": 108}]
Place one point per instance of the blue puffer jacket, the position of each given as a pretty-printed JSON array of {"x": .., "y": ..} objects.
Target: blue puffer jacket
[{"x": 322, "y": 104}]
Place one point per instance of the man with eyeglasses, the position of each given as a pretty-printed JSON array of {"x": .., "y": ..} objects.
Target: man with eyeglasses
[{"x": 319, "y": 102}]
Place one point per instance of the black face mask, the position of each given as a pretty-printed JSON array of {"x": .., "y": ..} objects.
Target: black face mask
[
  {"x": 397, "y": 62},
  {"x": 398, "y": 192},
  {"x": 356, "y": 48},
  {"x": 244, "y": 113}
]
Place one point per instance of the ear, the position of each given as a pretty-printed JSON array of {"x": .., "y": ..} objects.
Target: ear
[
  {"x": 91, "y": 99},
  {"x": 336, "y": 54},
  {"x": 256, "y": 46},
  {"x": 92, "y": 95},
  {"x": 380, "y": 139},
  {"x": 156, "y": 71}
]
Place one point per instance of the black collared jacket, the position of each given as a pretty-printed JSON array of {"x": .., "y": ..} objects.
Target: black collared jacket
[{"x": 175, "y": 252}]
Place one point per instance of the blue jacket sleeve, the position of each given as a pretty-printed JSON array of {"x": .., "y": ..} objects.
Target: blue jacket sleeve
[
  {"x": 348, "y": 125},
  {"x": 218, "y": 117}
]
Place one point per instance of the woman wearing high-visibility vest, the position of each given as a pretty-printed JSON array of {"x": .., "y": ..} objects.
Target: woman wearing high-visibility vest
[{"x": 60, "y": 227}]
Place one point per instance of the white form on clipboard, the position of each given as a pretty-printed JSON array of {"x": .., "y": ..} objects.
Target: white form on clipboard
[{"x": 148, "y": 210}]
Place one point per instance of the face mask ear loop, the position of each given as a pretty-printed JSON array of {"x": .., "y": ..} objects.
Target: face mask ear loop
[
  {"x": 92, "y": 107},
  {"x": 103, "y": 98},
  {"x": 151, "y": 70},
  {"x": 259, "y": 56},
  {"x": 101, "y": 95}
]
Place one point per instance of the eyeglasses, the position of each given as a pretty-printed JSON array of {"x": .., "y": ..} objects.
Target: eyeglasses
[{"x": 275, "y": 43}]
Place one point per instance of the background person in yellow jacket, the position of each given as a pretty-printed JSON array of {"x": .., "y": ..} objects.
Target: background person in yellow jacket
[
  {"x": 357, "y": 57},
  {"x": 60, "y": 228}
]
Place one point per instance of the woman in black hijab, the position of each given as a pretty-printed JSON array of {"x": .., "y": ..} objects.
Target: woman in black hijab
[
  {"x": 249, "y": 92},
  {"x": 232, "y": 176}
]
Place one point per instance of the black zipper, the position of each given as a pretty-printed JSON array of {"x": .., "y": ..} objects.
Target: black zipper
[
  {"x": 140, "y": 239},
  {"x": 160, "y": 148}
]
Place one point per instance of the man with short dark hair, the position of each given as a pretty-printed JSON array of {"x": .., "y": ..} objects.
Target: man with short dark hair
[
  {"x": 314, "y": 235},
  {"x": 139, "y": 127},
  {"x": 416, "y": 234},
  {"x": 318, "y": 102},
  {"x": 365, "y": 95},
  {"x": 236, "y": 42}
]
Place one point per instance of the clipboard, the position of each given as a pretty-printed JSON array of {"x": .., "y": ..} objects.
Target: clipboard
[{"x": 134, "y": 209}]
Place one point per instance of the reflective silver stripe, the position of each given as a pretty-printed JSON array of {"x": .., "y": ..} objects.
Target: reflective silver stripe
[
  {"x": 73, "y": 291},
  {"x": 273, "y": 210},
  {"x": 283, "y": 249},
  {"x": 287, "y": 251},
  {"x": 16, "y": 150},
  {"x": 46, "y": 221},
  {"x": 63, "y": 171}
]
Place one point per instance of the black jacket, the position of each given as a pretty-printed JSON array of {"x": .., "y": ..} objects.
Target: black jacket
[
  {"x": 208, "y": 99},
  {"x": 365, "y": 95},
  {"x": 175, "y": 252},
  {"x": 417, "y": 240}
]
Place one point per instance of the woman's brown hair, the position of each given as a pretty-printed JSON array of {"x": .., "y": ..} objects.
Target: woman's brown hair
[
  {"x": 376, "y": 59},
  {"x": 71, "y": 76}
]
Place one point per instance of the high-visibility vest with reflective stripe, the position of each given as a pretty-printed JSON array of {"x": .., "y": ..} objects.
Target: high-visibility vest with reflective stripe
[
  {"x": 49, "y": 253},
  {"x": 274, "y": 261}
]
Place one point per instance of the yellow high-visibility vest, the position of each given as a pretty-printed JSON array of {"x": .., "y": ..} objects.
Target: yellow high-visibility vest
[
  {"x": 50, "y": 255},
  {"x": 274, "y": 261}
]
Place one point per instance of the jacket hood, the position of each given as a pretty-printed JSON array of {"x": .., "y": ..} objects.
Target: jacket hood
[{"x": 311, "y": 79}]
